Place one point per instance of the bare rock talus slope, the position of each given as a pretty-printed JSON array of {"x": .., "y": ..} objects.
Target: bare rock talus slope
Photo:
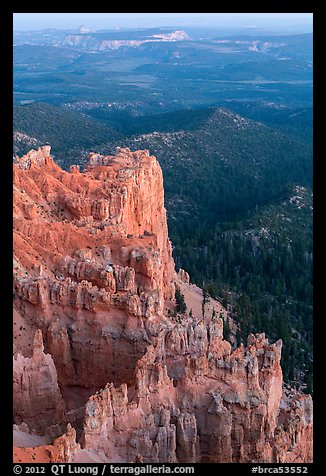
[{"x": 103, "y": 368}]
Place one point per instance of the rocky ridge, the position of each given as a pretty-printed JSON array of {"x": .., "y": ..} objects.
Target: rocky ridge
[
  {"x": 89, "y": 41},
  {"x": 103, "y": 366}
]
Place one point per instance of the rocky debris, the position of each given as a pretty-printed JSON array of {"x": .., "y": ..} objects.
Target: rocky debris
[{"x": 94, "y": 273}]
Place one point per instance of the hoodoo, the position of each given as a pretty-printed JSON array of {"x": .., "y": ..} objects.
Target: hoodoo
[{"x": 104, "y": 368}]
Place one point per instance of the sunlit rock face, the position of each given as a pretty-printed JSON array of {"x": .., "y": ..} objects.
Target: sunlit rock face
[{"x": 101, "y": 366}]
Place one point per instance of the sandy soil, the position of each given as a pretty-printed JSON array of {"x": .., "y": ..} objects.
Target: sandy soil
[
  {"x": 90, "y": 456},
  {"x": 39, "y": 454},
  {"x": 25, "y": 440},
  {"x": 194, "y": 298}
]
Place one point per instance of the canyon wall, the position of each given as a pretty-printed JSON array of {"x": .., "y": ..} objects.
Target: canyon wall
[{"x": 103, "y": 364}]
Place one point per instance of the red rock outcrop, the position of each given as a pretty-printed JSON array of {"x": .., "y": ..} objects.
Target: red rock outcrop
[
  {"x": 219, "y": 409},
  {"x": 94, "y": 274},
  {"x": 93, "y": 261}
]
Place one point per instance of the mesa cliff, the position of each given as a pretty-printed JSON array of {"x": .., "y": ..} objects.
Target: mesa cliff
[{"x": 105, "y": 369}]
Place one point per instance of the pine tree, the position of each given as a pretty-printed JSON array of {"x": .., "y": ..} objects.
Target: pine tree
[
  {"x": 226, "y": 328},
  {"x": 180, "y": 302}
]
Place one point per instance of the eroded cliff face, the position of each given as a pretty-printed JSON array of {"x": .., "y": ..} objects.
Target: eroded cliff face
[
  {"x": 96, "y": 345},
  {"x": 93, "y": 263},
  {"x": 38, "y": 401}
]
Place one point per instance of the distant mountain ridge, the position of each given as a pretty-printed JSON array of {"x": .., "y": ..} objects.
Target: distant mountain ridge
[{"x": 101, "y": 41}]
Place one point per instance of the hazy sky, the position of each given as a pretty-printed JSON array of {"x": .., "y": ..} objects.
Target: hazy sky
[{"x": 35, "y": 21}]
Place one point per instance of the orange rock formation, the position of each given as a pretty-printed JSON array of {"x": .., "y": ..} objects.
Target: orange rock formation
[{"x": 100, "y": 368}]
